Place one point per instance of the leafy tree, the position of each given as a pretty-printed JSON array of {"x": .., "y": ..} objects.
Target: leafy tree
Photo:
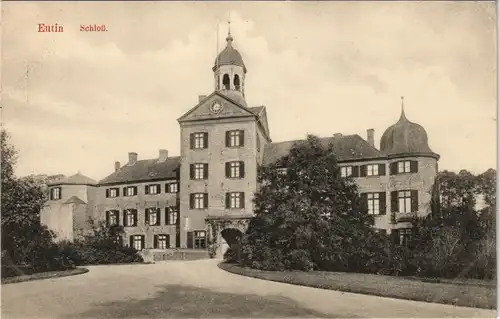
[
  {"x": 22, "y": 200},
  {"x": 306, "y": 215}
]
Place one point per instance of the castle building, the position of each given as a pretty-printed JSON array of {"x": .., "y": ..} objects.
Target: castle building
[{"x": 190, "y": 201}]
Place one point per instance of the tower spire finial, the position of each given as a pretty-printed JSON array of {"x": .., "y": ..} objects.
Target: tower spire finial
[
  {"x": 403, "y": 116},
  {"x": 229, "y": 37}
]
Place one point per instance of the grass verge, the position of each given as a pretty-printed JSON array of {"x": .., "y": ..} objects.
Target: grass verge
[
  {"x": 44, "y": 275},
  {"x": 478, "y": 296}
]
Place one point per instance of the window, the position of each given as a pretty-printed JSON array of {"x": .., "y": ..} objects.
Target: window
[
  {"x": 130, "y": 218},
  {"x": 137, "y": 241},
  {"x": 112, "y": 192},
  {"x": 235, "y": 138},
  {"x": 370, "y": 170},
  {"x": 172, "y": 215},
  {"x": 235, "y": 200},
  {"x": 152, "y": 189},
  {"x": 404, "y": 202},
  {"x": 130, "y": 191},
  {"x": 199, "y": 200},
  {"x": 235, "y": 169},
  {"x": 236, "y": 82},
  {"x": 152, "y": 217},
  {"x": 373, "y": 203},
  {"x": 161, "y": 241},
  {"x": 118, "y": 240},
  {"x": 112, "y": 217},
  {"x": 199, "y": 171},
  {"x": 172, "y": 188},
  {"x": 282, "y": 171},
  {"x": 346, "y": 171},
  {"x": 55, "y": 193},
  {"x": 200, "y": 239},
  {"x": 199, "y": 140},
  {"x": 404, "y": 167},
  {"x": 404, "y": 235}
]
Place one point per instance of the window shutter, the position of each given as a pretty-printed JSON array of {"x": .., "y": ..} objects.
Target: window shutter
[
  {"x": 168, "y": 241},
  {"x": 131, "y": 241},
  {"x": 381, "y": 169},
  {"x": 155, "y": 241},
  {"x": 228, "y": 169},
  {"x": 362, "y": 170},
  {"x": 205, "y": 140},
  {"x": 142, "y": 242},
  {"x": 414, "y": 201},
  {"x": 364, "y": 202},
  {"x": 146, "y": 189},
  {"x": 382, "y": 203},
  {"x": 135, "y": 190},
  {"x": 228, "y": 200},
  {"x": 205, "y": 171},
  {"x": 242, "y": 169},
  {"x": 205, "y": 200},
  {"x": 51, "y": 194},
  {"x": 166, "y": 216},
  {"x": 125, "y": 218},
  {"x": 117, "y": 191},
  {"x": 191, "y": 140},
  {"x": 414, "y": 167},
  {"x": 191, "y": 171},
  {"x": 146, "y": 219},
  {"x": 228, "y": 139},
  {"x": 135, "y": 217},
  {"x": 107, "y": 218},
  {"x": 107, "y": 193},
  {"x": 394, "y": 201},
  {"x": 355, "y": 171},
  {"x": 124, "y": 191},
  {"x": 158, "y": 216},
  {"x": 393, "y": 168},
  {"x": 242, "y": 138},
  {"x": 191, "y": 201},
  {"x": 190, "y": 239},
  {"x": 242, "y": 200}
]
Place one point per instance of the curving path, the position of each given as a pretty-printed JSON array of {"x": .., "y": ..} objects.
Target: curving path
[{"x": 190, "y": 289}]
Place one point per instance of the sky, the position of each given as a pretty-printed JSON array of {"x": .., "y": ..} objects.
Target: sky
[{"x": 79, "y": 101}]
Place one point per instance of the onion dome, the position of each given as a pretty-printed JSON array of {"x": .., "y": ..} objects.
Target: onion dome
[
  {"x": 229, "y": 56},
  {"x": 405, "y": 138}
]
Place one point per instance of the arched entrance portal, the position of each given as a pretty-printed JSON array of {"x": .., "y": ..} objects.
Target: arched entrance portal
[{"x": 231, "y": 239}]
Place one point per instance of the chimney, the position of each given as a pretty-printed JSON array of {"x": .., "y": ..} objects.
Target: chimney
[
  {"x": 163, "y": 155},
  {"x": 370, "y": 136},
  {"x": 201, "y": 98},
  {"x": 337, "y": 135},
  {"x": 132, "y": 158},
  {"x": 117, "y": 166}
]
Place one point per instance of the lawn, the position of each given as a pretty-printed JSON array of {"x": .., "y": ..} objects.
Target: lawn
[
  {"x": 44, "y": 275},
  {"x": 468, "y": 294}
]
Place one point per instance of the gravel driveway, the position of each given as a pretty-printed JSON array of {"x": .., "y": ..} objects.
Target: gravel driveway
[{"x": 190, "y": 289}]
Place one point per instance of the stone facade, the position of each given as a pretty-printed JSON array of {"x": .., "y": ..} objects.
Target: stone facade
[{"x": 403, "y": 173}]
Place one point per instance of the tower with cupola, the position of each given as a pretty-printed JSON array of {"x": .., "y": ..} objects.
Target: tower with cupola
[{"x": 229, "y": 72}]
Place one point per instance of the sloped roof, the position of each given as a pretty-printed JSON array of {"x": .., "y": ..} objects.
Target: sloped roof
[
  {"x": 347, "y": 147},
  {"x": 77, "y": 179},
  {"x": 144, "y": 170},
  {"x": 74, "y": 200},
  {"x": 256, "y": 109}
]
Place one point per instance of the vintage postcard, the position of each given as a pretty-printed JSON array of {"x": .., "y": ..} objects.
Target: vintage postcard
[{"x": 226, "y": 159}]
